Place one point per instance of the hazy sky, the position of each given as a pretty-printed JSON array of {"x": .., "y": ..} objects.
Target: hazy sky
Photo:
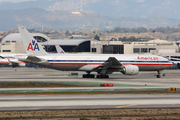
[{"x": 14, "y": 1}]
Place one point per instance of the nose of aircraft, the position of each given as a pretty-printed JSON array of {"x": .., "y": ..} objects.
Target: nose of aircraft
[{"x": 171, "y": 64}]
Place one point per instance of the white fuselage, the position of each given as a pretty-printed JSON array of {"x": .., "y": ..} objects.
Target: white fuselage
[
  {"x": 73, "y": 62},
  {"x": 11, "y": 58}
]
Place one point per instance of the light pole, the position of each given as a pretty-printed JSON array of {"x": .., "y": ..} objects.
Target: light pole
[{"x": 153, "y": 42}]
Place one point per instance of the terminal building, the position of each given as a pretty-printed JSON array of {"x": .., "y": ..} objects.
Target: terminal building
[{"x": 13, "y": 44}]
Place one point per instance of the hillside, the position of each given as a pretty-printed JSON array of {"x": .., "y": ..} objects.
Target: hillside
[
  {"x": 112, "y": 8},
  {"x": 75, "y": 20}
]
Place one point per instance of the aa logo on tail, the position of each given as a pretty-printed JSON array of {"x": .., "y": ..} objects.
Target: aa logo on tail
[
  {"x": 62, "y": 52},
  {"x": 33, "y": 46}
]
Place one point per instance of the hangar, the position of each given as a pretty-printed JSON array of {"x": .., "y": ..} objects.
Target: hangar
[{"x": 68, "y": 45}]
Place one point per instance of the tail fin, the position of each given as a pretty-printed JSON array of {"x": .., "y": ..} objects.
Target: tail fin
[
  {"x": 59, "y": 49},
  {"x": 31, "y": 45}
]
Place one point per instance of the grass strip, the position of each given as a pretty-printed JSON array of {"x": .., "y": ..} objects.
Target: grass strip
[
  {"x": 95, "y": 92},
  {"x": 105, "y": 114}
]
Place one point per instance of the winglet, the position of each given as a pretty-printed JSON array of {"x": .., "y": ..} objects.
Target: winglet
[{"x": 32, "y": 47}]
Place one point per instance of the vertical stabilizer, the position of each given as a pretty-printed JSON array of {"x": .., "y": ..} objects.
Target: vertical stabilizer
[
  {"x": 32, "y": 47},
  {"x": 59, "y": 49}
]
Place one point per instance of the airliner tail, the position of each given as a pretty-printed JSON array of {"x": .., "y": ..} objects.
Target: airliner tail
[{"x": 32, "y": 47}]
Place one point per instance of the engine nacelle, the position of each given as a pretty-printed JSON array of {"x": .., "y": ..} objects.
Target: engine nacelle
[
  {"x": 18, "y": 64},
  {"x": 22, "y": 64},
  {"x": 130, "y": 70}
]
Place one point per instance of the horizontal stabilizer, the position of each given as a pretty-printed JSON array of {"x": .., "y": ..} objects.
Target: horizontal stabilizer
[{"x": 32, "y": 59}]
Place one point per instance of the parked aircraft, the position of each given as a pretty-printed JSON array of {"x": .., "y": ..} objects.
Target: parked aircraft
[
  {"x": 12, "y": 59},
  {"x": 59, "y": 49},
  {"x": 4, "y": 61},
  {"x": 103, "y": 64}
]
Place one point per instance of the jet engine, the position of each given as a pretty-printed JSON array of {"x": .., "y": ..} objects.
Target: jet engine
[
  {"x": 130, "y": 70},
  {"x": 18, "y": 64},
  {"x": 22, "y": 64}
]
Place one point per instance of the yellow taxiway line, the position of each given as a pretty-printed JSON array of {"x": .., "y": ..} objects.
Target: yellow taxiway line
[{"x": 126, "y": 106}]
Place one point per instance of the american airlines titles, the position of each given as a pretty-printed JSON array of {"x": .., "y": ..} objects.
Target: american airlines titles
[{"x": 147, "y": 58}]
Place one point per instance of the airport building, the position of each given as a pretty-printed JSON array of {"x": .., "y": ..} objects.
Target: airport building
[
  {"x": 13, "y": 44},
  {"x": 69, "y": 45}
]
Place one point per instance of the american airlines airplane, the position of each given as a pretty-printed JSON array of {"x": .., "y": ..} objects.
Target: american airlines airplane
[
  {"x": 4, "y": 61},
  {"x": 11, "y": 59},
  {"x": 103, "y": 64},
  {"x": 59, "y": 49}
]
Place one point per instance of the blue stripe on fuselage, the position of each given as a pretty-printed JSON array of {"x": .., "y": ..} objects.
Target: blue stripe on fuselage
[{"x": 105, "y": 60}]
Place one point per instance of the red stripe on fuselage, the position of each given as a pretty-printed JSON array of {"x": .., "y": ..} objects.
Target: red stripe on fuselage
[
  {"x": 169, "y": 64},
  {"x": 5, "y": 62}
]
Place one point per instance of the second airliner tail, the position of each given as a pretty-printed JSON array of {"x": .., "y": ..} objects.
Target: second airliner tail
[{"x": 59, "y": 49}]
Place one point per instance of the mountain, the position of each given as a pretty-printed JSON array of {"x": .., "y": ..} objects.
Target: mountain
[
  {"x": 75, "y": 20},
  {"x": 111, "y": 8}
]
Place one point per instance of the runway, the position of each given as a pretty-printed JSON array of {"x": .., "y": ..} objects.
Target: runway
[
  {"x": 171, "y": 78},
  {"x": 66, "y": 102},
  {"x": 144, "y": 81}
]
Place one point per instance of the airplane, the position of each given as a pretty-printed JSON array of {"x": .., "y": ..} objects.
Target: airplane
[
  {"x": 175, "y": 62},
  {"x": 12, "y": 59},
  {"x": 4, "y": 61},
  {"x": 59, "y": 50},
  {"x": 103, "y": 64}
]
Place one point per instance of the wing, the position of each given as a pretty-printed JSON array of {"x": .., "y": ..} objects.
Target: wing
[
  {"x": 112, "y": 62},
  {"x": 109, "y": 66}
]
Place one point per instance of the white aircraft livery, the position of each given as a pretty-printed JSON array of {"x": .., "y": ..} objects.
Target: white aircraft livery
[
  {"x": 4, "y": 61},
  {"x": 103, "y": 64},
  {"x": 12, "y": 59}
]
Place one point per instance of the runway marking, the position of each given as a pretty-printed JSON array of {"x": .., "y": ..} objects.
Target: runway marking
[{"x": 126, "y": 106}]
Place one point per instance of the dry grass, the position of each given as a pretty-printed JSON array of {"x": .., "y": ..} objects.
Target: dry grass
[
  {"x": 36, "y": 84},
  {"x": 140, "y": 114},
  {"x": 93, "y": 92}
]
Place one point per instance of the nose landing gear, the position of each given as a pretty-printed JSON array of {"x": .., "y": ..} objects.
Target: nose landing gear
[{"x": 158, "y": 75}]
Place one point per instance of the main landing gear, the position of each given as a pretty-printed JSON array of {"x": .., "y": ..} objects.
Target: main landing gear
[
  {"x": 102, "y": 76},
  {"x": 93, "y": 76},
  {"x": 88, "y": 75}
]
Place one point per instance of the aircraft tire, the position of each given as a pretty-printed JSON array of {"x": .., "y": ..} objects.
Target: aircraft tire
[
  {"x": 88, "y": 76},
  {"x": 98, "y": 76},
  {"x": 158, "y": 76},
  {"x": 84, "y": 76},
  {"x": 91, "y": 76},
  {"x": 106, "y": 76},
  {"x": 102, "y": 76}
]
